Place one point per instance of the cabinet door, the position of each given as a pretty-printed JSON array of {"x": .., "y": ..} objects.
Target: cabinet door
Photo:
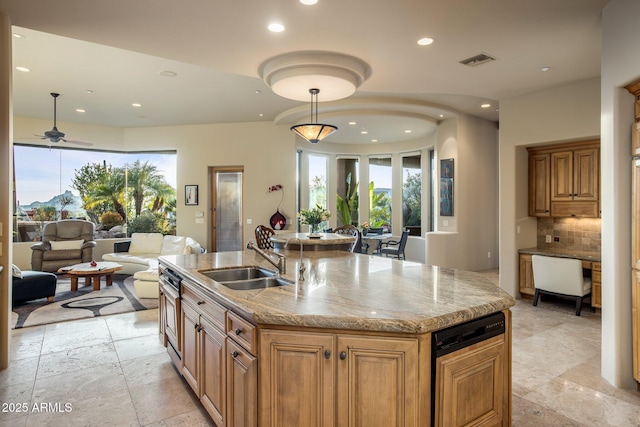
[
  {"x": 596, "y": 285},
  {"x": 539, "y": 185},
  {"x": 378, "y": 382},
  {"x": 470, "y": 385},
  {"x": 525, "y": 279},
  {"x": 635, "y": 216},
  {"x": 562, "y": 176},
  {"x": 171, "y": 315},
  {"x": 213, "y": 370},
  {"x": 162, "y": 317},
  {"x": 586, "y": 178},
  {"x": 190, "y": 347},
  {"x": 297, "y": 379},
  {"x": 242, "y": 387}
]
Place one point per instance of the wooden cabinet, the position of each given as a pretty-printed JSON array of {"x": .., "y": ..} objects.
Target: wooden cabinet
[
  {"x": 478, "y": 371},
  {"x": 221, "y": 372},
  {"x": 564, "y": 180},
  {"x": 635, "y": 316},
  {"x": 169, "y": 319},
  {"x": 525, "y": 278},
  {"x": 377, "y": 380},
  {"x": 596, "y": 285}
]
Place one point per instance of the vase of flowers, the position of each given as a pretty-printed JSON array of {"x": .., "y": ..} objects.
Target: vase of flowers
[{"x": 313, "y": 218}]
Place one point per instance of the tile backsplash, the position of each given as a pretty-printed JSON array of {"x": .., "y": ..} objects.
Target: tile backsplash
[{"x": 577, "y": 234}]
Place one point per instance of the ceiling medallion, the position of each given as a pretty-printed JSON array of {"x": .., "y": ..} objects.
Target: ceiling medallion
[{"x": 292, "y": 74}]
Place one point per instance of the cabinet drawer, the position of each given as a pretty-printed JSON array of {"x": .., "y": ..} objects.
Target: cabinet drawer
[
  {"x": 243, "y": 332},
  {"x": 579, "y": 209},
  {"x": 206, "y": 306}
]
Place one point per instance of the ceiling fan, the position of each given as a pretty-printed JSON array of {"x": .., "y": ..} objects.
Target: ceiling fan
[{"x": 54, "y": 135}]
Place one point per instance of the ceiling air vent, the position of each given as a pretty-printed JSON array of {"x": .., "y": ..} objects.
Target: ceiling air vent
[{"x": 480, "y": 59}]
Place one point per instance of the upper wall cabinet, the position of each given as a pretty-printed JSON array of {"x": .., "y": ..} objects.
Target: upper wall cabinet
[{"x": 564, "y": 180}]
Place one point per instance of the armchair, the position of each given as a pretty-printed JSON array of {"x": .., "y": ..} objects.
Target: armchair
[
  {"x": 395, "y": 248},
  {"x": 64, "y": 243},
  {"x": 561, "y": 277}
]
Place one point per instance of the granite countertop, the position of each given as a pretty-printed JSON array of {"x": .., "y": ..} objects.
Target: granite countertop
[
  {"x": 351, "y": 291},
  {"x": 322, "y": 239},
  {"x": 563, "y": 253}
]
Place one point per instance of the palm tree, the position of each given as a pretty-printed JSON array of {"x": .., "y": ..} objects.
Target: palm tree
[
  {"x": 109, "y": 188},
  {"x": 144, "y": 181}
]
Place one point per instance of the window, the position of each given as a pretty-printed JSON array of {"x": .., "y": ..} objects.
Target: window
[
  {"x": 347, "y": 199},
  {"x": 380, "y": 193},
  {"x": 318, "y": 183},
  {"x": 412, "y": 194},
  {"x": 108, "y": 188}
]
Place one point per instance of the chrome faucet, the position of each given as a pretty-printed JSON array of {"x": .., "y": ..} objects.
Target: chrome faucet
[
  {"x": 302, "y": 267},
  {"x": 281, "y": 265}
]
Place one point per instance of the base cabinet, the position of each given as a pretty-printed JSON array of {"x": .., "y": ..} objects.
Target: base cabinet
[
  {"x": 372, "y": 380},
  {"x": 169, "y": 320},
  {"x": 221, "y": 372},
  {"x": 525, "y": 278},
  {"x": 635, "y": 314}
]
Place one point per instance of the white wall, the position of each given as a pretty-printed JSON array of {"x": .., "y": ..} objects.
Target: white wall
[{"x": 620, "y": 66}]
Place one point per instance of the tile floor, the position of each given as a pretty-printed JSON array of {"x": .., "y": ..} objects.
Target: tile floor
[{"x": 112, "y": 371}]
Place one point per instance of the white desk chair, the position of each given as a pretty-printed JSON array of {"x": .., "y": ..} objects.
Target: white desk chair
[{"x": 560, "y": 276}]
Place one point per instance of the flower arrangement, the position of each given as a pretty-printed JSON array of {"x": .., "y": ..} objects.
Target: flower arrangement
[
  {"x": 313, "y": 217},
  {"x": 273, "y": 188}
]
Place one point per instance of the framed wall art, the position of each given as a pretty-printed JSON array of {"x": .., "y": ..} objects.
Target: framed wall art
[
  {"x": 446, "y": 187},
  {"x": 190, "y": 195}
]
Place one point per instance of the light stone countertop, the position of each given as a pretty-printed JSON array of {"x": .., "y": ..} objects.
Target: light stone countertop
[
  {"x": 351, "y": 291},
  {"x": 563, "y": 253}
]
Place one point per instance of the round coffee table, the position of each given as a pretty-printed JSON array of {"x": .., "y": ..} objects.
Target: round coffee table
[{"x": 90, "y": 273}]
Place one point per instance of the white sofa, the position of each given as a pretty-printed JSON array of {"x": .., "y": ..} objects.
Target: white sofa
[
  {"x": 139, "y": 257},
  {"x": 144, "y": 249}
]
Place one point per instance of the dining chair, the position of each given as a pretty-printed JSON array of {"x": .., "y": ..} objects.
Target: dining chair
[
  {"x": 351, "y": 231},
  {"x": 263, "y": 237},
  {"x": 560, "y": 276},
  {"x": 395, "y": 248}
]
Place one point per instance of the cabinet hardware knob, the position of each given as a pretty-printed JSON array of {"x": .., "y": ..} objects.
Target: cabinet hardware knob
[
  {"x": 195, "y": 326},
  {"x": 235, "y": 354},
  {"x": 238, "y": 331},
  {"x": 200, "y": 302},
  {"x": 343, "y": 355},
  {"x": 327, "y": 354}
]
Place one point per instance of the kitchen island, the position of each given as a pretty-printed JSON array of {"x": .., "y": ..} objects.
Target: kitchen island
[{"x": 349, "y": 345}]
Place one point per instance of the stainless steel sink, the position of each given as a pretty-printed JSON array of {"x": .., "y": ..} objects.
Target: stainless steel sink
[
  {"x": 240, "y": 273},
  {"x": 246, "y": 278},
  {"x": 261, "y": 283}
]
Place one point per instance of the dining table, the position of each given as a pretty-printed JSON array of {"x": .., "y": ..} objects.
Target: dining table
[
  {"x": 376, "y": 240},
  {"x": 312, "y": 242}
]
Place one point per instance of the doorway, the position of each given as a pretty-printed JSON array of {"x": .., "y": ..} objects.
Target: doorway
[{"x": 226, "y": 208}]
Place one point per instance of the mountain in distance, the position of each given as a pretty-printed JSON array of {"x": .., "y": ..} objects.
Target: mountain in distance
[{"x": 75, "y": 208}]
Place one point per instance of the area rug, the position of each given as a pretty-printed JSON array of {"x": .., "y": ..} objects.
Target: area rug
[{"x": 84, "y": 303}]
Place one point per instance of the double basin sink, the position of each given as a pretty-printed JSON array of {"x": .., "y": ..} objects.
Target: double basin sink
[{"x": 246, "y": 278}]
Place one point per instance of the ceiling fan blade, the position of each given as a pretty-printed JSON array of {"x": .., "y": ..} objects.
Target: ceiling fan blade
[{"x": 77, "y": 142}]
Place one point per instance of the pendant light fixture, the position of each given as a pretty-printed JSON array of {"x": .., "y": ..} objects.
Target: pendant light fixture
[{"x": 314, "y": 132}]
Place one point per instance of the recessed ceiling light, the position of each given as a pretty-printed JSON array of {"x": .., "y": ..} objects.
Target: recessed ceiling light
[
  {"x": 276, "y": 27},
  {"x": 80, "y": 110},
  {"x": 364, "y": 132},
  {"x": 308, "y": 2},
  {"x": 441, "y": 115},
  {"x": 374, "y": 140},
  {"x": 257, "y": 91},
  {"x": 407, "y": 131},
  {"x": 485, "y": 105},
  {"x": 89, "y": 91},
  {"x": 545, "y": 69},
  {"x": 23, "y": 69},
  {"x": 168, "y": 73},
  {"x": 136, "y": 104},
  {"x": 425, "y": 41},
  {"x": 18, "y": 36},
  {"x": 261, "y": 115},
  {"x": 352, "y": 123}
]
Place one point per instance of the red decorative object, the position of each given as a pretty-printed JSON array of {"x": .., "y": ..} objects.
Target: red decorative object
[
  {"x": 94, "y": 264},
  {"x": 278, "y": 221}
]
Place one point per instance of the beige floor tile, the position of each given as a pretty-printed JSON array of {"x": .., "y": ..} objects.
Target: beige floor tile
[
  {"x": 148, "y": 369},
  {"x": 197, "y": 418},
  {"x": 19, "y": 371},
  {"x": 154, "y": 403},
  {"x": 528, "y": 414},
  {"x": 57, "y": 341},
  {"x": 17, "y": 397},
  {"x": 138, "y": 347},
  {"x": 107, "y": 409},
  {"x": 76, "y": 359},
  {"x": 15, "y": 422},
  {"x": 131, "y": 325},
  {"x": 72, "y": 387}
]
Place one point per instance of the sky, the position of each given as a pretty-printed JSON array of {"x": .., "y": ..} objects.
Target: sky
[
  {"x": 380, "y": 175},
  {"x": 42, "y": 173}
]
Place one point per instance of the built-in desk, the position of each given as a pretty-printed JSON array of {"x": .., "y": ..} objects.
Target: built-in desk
[{"x": 590, "y": 264}]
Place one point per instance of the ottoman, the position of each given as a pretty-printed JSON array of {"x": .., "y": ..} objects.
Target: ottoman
[
  {"x": 146, "y": 283},
  {"x": 34, "y": 285}
]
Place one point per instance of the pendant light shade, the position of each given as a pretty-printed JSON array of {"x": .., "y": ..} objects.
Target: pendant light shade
[{"x": 314, "y": 132}]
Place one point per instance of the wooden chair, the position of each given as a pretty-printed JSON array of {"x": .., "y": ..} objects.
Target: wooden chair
[
  {"x": 263, "y": 237},
  {"x": 351, "y": 231},
  {"x": 560, "y": 276},
  {"x": 395, "y": 248}
]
